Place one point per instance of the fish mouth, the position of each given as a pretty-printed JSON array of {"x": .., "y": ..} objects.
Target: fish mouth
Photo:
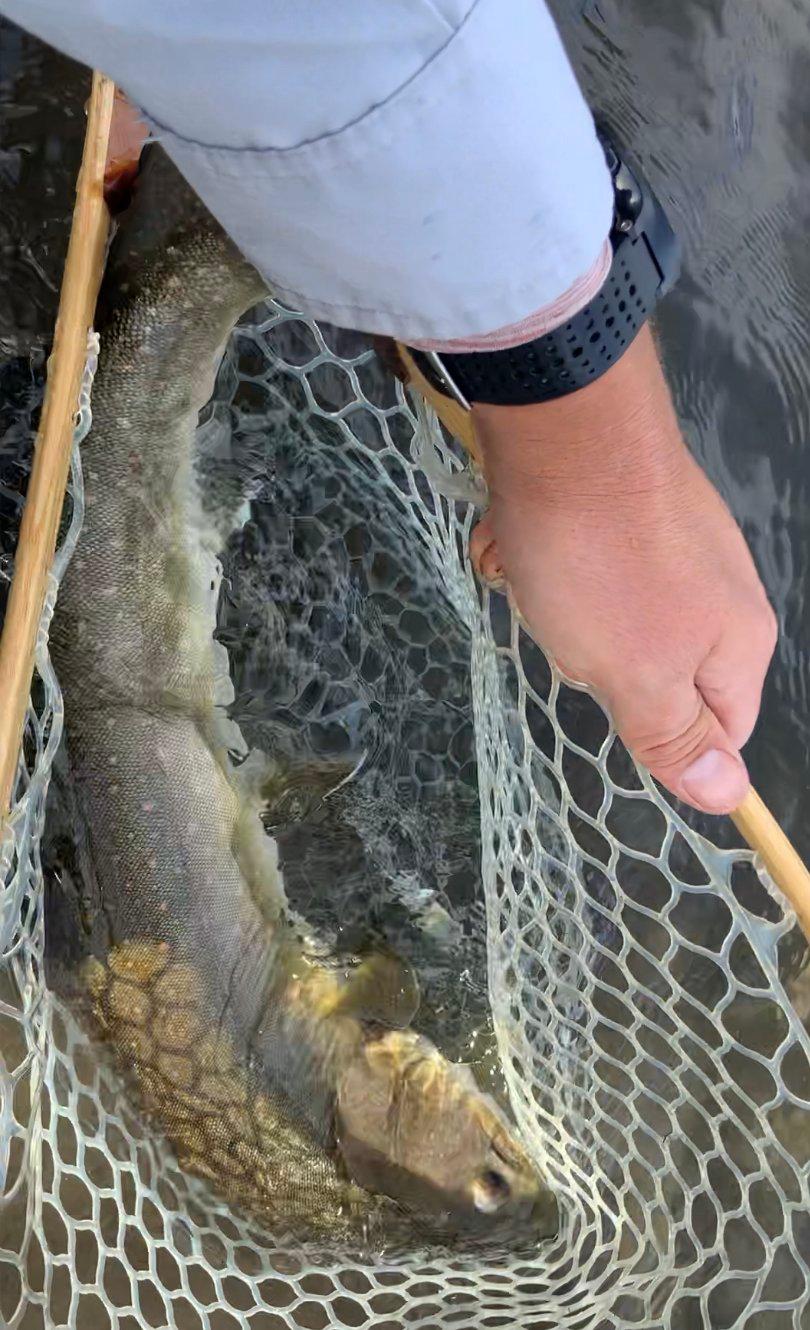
[
  {"x": 535, "y": 1217},
  {"x": 445, "y": 1216},
  {"x": 514, "y": 1230}
]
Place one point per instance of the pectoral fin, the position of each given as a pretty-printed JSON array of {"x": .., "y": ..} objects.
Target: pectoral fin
[{"x": 287, "y": 792}]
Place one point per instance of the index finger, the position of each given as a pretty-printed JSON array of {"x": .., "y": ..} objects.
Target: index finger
[{"x": 128, "y": 133}]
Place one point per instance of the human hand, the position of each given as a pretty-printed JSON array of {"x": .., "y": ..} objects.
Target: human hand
[
  {"x": 128, "y": 133},
  {"x": 631, "y": 572}
]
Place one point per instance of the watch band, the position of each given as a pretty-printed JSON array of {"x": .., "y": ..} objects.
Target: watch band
[{"x": 645, "y": 264}]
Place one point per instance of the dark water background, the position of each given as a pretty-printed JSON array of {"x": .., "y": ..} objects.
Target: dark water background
[{"x": 713, "y": 98}]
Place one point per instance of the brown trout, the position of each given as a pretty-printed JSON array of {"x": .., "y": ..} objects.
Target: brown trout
[{"x": 298, "y": 1088}]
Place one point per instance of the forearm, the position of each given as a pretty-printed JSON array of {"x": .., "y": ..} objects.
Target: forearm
[{"x": 616, "y": 436}]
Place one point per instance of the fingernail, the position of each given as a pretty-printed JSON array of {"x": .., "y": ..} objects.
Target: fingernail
[{"x": 717, "y": 781}]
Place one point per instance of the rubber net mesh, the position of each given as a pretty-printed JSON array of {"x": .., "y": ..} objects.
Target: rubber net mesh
[{"x": 637, "y": 975}]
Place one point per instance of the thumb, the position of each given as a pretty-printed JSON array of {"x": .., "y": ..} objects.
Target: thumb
[{"x": 683, "y": 745}]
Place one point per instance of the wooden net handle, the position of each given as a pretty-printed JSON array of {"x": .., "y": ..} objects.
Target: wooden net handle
[
  {"x": 752, "y": 819},
  {"x": 755, "y": 822},
  {"x": 46, "y": 489}
]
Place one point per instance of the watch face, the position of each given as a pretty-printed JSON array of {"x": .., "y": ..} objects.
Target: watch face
[{"x": 629, "y": 199}]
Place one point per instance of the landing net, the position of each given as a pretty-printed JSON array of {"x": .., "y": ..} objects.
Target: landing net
[{"x": 641, "y": 980}]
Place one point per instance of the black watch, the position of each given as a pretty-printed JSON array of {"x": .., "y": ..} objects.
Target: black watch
[{"x": 646, "y": 263}]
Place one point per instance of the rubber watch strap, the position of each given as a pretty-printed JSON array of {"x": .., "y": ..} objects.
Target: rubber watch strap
[{"x": 646, "y": 263}]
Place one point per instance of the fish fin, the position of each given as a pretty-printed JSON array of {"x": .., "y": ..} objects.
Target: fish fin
[
  {"x": 382, "y": 989},
  {"x": 287, "y": 792}
]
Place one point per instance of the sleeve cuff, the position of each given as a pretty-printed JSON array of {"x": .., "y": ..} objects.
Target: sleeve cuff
[{"x": 542, "y": 321}]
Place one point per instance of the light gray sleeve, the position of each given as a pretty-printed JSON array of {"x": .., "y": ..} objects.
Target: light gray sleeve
[{"x": 424, "y": 168}]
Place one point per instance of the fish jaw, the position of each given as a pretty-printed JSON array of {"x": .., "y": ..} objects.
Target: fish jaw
[{"x": 414, "y": 1126}]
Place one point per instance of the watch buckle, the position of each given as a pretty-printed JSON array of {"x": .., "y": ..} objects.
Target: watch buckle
[{"x": 446, "y": 379}]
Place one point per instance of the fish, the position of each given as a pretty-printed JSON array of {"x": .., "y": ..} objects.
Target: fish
[{"x": 297, "y": 1085}]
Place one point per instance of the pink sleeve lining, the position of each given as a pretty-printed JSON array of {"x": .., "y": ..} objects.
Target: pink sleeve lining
[{"x": 540, "y": 322}]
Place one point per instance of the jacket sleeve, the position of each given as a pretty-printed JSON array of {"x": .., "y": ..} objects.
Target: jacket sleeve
[{"x": 423, "y": 168}]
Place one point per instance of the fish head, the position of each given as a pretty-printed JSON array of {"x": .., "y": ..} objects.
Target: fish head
[{"x": 415, "y": 1127}]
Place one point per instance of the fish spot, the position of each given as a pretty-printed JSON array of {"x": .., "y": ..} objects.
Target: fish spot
[
  {"x": 140, "y": 961},
  {"x": 176, "y": 1070},
  {"x": 127, "y": 1003}
]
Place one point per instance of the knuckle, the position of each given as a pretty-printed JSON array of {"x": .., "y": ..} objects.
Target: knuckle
[
  {"x": 479, "y": 539},
  {"x": 763, "y": 625},
  {"x": 483, "y": 533},
  {"x": 760, "y": 641},
  {"x": 770, "y": 630},
  {"x": 481, "y": 549}
]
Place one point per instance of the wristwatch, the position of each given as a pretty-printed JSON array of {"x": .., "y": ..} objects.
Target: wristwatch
[{"x": 645, "y": 265}]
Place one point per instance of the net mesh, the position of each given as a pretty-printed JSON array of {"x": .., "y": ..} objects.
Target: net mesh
[{"x": 641, "y": 982}]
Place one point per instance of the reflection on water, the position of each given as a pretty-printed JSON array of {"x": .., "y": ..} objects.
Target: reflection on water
[{"x": 713, "y": 97}]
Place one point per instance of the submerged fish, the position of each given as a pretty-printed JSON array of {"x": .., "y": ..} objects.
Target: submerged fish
[{"x": 297, "y": 1086}]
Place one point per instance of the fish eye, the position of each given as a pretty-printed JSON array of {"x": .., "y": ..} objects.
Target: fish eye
[{"x": 491, "y": 1191}]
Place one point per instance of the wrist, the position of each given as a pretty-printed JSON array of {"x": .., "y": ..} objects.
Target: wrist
[{"x": 618, "y": 436}]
